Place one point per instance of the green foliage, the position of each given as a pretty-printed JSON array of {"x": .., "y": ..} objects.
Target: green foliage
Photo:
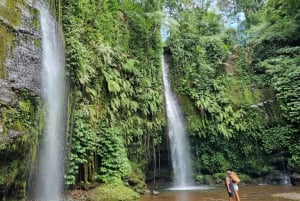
[
  {"x": 233, "y": 116},
  {"x": 18, "y": 142},
  {"x": 213, "y": 164},
  {"x": 114, "y": 162},
  {"x": 9, "y": 173},
  {"x": 219, "y": 177},
  {"x": 271, "y": 36},
  {"x": 116, "y": 86},
  {"x": 284, "y": 73},
  {"x": 136, "y": 179},
  {"x": 118, "y": 115},
  {"x": 198, "y": 21},
  {"x": 238, "y": 92},
  {"x": 114, "y": 192},
  {"x": 10, "y": 13},
  {"x": 199, "y": 78},
  {"x": 251, "y": 10},
  {"x": 83, "y": 146},
  {"x": 278, "y": 140},
  {"x": 276, "y": 52}
]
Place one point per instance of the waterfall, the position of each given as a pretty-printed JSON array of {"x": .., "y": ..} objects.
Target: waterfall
[
  {"x": 181, "y": 160},
  {"x": 49, "y": 178}
]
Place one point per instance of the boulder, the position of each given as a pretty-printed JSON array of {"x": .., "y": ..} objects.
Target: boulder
[
  {"x": 7, "y": 95},
  {"x": 295, "y": 179}
]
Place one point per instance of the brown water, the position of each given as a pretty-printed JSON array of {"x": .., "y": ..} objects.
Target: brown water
[{"x": 247, "y": 193}]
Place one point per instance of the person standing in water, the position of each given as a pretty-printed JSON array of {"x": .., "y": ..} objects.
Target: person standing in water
[
  {"x": 235, "y": 180},
  {"x": 229, "y": 186}
]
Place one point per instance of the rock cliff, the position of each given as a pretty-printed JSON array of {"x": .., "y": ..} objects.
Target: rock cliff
[
  {"x": 20, "y": 91},
  {"x": 21, "y": 66}
]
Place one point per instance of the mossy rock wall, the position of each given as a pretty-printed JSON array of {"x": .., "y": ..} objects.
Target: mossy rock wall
[{"x": 20, "y": 90}]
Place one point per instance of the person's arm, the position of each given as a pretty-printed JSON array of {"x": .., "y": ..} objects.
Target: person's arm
[{"x": 227, "y": 184}]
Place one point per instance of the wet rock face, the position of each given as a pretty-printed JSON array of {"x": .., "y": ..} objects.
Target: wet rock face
[
  {"x": 295, "y": 179},
  {"x": 24, "y": 61},
  {"x": 23, "y": 56},
  {"x": 7, "y": 96},
  {"x": 11, "y": 135},
  {"x": 20, "y": 70},
  {"x": 23, "y": 64}
]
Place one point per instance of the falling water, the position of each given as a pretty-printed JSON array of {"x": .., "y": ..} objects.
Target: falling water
[
  {"x": 49, "y": 182},
  {"x": 177, "y": 134}
]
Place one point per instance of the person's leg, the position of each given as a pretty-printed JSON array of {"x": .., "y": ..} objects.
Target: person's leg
[
  {"x": 236, "y": 192},
  {"x": 231, "y": 195},
  {"x": 237, "y": 197}
]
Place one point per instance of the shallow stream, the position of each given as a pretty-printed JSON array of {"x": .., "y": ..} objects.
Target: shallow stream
[{"x": 247, "y": 193}]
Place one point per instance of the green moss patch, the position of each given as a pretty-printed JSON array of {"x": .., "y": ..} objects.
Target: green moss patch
[
  {"x": 11, "y": 11},
  {"x": 5, "y": 40},
  {"x": 18, "y": 152},
  {"x": 112, "y": 192}
]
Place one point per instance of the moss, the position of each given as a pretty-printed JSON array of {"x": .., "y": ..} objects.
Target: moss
[
  {"x": 136, "y": 179},
  {"x": 35, "y": 20},
  {"x": 186, "y": 104},
  {"x": 113, "y": 192},
  {"x": 38, "y": 43},
  {"x": 17, "y": 156},
  {"x": 12, "y": 12},
  {"x": 13, "y": 167},
  {"x": 8, "y": 172},
  {"x": 242, "y": 93},
  {"x": 5, "y": 40},
  {"x": 13, "y": 170}
]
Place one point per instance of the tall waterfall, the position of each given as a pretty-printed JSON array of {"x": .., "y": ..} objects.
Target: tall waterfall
[
  {"x": 49, "y": 181},
  {"x": 181, "y": 160}
]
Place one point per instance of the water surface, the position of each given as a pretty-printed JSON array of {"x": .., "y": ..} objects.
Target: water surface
[{"x": 247, "y": 193}]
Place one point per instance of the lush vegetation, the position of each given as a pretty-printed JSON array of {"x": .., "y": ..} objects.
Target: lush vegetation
[
  {"x": 21, "y": 116},
  {"x": 113, "y": 53},
  {"x": 238, "y": 86},
  {"x": 20, "y": 129}
]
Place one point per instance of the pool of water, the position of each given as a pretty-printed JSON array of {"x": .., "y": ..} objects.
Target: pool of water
[{"x": 247, "y": 193}]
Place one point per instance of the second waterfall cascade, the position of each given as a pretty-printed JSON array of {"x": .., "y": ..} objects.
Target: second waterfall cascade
[
  {"x": 49, "y": 179},
  {"x": 180, "y": 155}
]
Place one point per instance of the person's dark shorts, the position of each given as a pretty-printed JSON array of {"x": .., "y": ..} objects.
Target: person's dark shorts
[
  {"x": 231, "y": 194},
  {"x": 231, "y": 189}
]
